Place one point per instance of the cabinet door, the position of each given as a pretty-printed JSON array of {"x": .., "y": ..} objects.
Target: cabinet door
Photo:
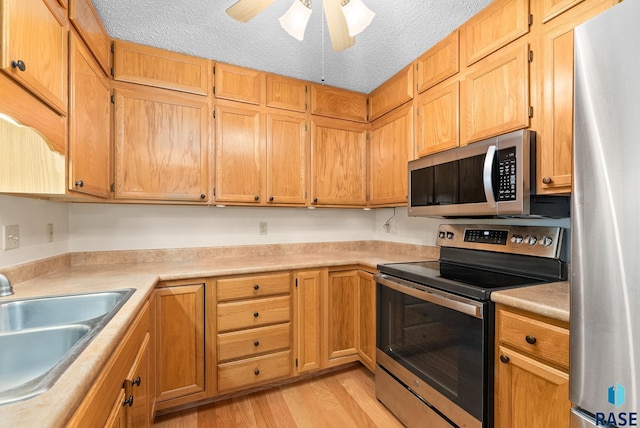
[
  {"x": 338, "y": 162},
  {"x": 308, "y": 312},
  {"x": 438, "y": 119},
  {"x": 438, "y": 63},
  {"x": 338, "y": 103},
  {"x": 89, "y": 123},
  {"x": 390, "y": 147},
  {"x": 239, "y": 154},
  {"x": 495, "y": 94},
  {"x": 180, "y": 343},
  {"x": 160, "y": 145},
  {"x": 138, "y": 386},
  {"x": 238, "y": 83},
  {"x": 287, "y": 158},
  {"x": 554, "y": 80},
  {"x": 392, "y": 93},
  {"x": 86, "y": 20},
  {"x": 34, "y": 48},
  {"x": 367, "y": 319},
  {"x": 529, "y": 394},
  {"x": 286, "y": 93},
  {"x": 118, "y": 417},
  {"x": 341, "y": 319}
]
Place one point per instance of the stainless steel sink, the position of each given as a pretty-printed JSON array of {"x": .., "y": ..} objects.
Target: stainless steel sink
[{"x": 40, "y": 338}]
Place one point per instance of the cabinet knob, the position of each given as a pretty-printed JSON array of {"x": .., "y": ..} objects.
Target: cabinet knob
[
  {"x": 128, "y": 401},
  {"x": 315, "y": 200},
  {"x": 504, "y": 359},
  {"x": 79, "y": 183},
  {"x": 202, "y": 196},
  {"x": 271, "y": 198},
  {"x": 19, "y": 64},
  {"x": 256, "y": 198},
  {"x": 547, "y": 180},
  {"x": 256, "y": 314},
  {"x": 256, "y": 343},
  {"x": 136, "y": 382},
  {"x": 256, "y": 287},
  {"x": 531, "y": 340},
  {"x": 256, "y": 372}
]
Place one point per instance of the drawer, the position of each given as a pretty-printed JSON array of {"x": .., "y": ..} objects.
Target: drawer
[
  {"x": 549, "y": 342},
  {"x": 253, "y": 313},
  {"x": 253, "y": 371},
  {"x": 249, "y": 343},
  {"x": 253, "y": 286}
]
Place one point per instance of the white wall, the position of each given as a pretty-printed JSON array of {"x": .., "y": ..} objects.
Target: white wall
[
  {"x": 123, "y": 227},
  {"x": 32, "y": 215}
]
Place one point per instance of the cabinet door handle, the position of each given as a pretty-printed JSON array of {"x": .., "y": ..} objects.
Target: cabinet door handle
[
  {"x": 531, "y": 340},
  {"x": 256, "y": 372},
  {"x": 256, "y": 287},
  {"x": 128, "y": 401},
  {"x": 202, "y": 196},
  {"x": 256, "y": 314},
  {"x": 271, "y": 198},
  {"x": 79, "y": 183},
  {"x": 256, "y": 343},
  {"x": 256, "y": 198},
  {"x": 315, "y": 200},
  {"x": 19, "y": 64},
  {"x": 136, "y": 382},
  {"x": 547, "y": 180},
  {"x": 504, "y": 359}
]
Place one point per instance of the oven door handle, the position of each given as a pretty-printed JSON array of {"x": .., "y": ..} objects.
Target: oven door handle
[
  {"x": 487, "y": 179},
  {"x": 437, "y": 297}
]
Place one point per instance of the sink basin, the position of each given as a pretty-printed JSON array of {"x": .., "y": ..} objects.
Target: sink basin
[
  {"x": 40, "y": 338},
  {"x": 57, "y": 310}
]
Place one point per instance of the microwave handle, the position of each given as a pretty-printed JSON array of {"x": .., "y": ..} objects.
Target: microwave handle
[{"x": 486, "y": 176}]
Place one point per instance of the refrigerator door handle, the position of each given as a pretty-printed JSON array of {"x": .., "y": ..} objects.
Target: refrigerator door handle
[{"x": 581, "y": 420}]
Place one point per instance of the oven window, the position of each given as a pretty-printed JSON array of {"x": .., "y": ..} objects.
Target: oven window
[{"x": 441, "y": 346}]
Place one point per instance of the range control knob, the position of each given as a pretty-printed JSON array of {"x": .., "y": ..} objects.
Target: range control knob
[
  {"x": 441, "y": 235},
  {"x": 517, "y": 239},
  {"x": 449, "y": 235},
  {"x": 546, "y": 241},
  {"x": 531, "y": 240}
]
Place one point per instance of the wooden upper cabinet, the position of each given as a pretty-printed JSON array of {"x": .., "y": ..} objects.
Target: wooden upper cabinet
[
  {"x": 392, "y": 93},
  {"x": 239, "y": 83},
  {"x": 338, "y": 162},
  {"x": 85, "y": 19},
  {"x": 338, "y": 103},
  {"x": 495, "y": 94},
  {"x": 89, "y": 123},
  {"x": 34, "y": 48},
  {"x": 287, "y": 158},
  {"x": 286, "y": 93},
  {"x": 438, "y": 124},
  {"x": 438, "y": 63},
  {"x": 553, "y": 8},
  {"x": 160, "y": 68},
  {"x": 239, "y": 153},
  {"x": 390, "y": 148},
  {"x": 497, "y": 25},
  {"x": 161, "y": 140}
]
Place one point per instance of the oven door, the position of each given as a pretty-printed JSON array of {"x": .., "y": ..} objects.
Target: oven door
[{"x": 436, "y": 344}]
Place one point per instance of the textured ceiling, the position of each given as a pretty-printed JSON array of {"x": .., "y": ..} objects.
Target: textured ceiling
[{"x": 399, "y": 33}]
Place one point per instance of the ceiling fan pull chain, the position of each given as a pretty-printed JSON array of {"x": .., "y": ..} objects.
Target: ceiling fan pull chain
[{"x": 322, "y": 41}]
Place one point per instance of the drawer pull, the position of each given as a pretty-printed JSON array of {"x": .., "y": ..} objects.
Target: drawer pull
[
  {"x": 19, "y": 64},
  {"x": 136, "y": 382},
  {"x": 256, "y": 314},
  {"x": 256, "y": 372},
  {"x": 531, "y": 340},
  {"x": 504, "y": 359},
  {"x": 256, "y": 287},
  {"x": 256, "y": 343},
  {"x": 128, "y": 401}
]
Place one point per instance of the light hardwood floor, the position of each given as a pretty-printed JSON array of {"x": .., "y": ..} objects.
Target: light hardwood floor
[{"x": 340, "y": 399}]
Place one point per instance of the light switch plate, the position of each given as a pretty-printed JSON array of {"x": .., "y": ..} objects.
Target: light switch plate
[
  {"x": 262, "y": 227},
  {"x": 11, "y": 236}
]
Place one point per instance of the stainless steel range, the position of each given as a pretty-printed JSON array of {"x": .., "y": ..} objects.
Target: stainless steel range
[{"x": 435, "y": 320}]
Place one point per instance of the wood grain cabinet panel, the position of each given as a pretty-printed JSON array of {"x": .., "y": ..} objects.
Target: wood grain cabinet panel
[
  {"x": 338, "y": 162},
  {"x": 239, "y": 83},
  {"x": 249, "y": 287},
  {"x": 495, "y": 26},
  {"x": 495, "y": 94},
  {"x": 438, "y": 63},
  {"x": 390, "y": 147},
  {"x": 308, "y": 312},
  {"x": 161, "y": 143},
  {"x": 253, "y": 371},
  {"x": 252, "y": 342},
  {"x": 341, "y": 316},
  {"x": 253, "y": 313},
  {"x": 367, "y": 319},
  {"x": 391, "y": 94},
  {"x": 89, "y": 123},
  {"x": 286, "y": 93},
  {"x": 34, "y": 39},
  {"x": 338, "y": 103},
  {"x": 553, "y": 8},
  {"x": 89, "y": 26},
  {"x": 146, "y": 65},
  {"x": 438, "y": 122}
]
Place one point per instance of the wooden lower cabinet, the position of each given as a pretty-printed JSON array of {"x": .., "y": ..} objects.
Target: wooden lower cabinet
[
  {"x": 180, "y": 343},
  {"x": 121, "y": 396},
  {"x": 341, "y": 323},
  {"x": 308, "y": 319},
  {"x": 531, "y": 371},
  {"x": 366, "y": 343}
]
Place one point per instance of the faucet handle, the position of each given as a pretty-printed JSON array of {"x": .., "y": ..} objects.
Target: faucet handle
[{"x": 5, "y": 286}]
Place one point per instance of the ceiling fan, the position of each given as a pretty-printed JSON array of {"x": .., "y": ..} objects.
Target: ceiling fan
[{"x": 345, "y": 18}]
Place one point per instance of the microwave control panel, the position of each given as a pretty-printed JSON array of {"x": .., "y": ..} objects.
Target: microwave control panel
[{"x": 506, "y": 174}]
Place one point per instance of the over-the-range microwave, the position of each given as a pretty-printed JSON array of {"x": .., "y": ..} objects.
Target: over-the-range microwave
[{"x": 490, "y": 178}]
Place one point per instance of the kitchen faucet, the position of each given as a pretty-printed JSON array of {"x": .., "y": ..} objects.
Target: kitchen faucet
[{"x": 5, "y": 286}]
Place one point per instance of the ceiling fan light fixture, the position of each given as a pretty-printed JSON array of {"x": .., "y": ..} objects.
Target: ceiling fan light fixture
[
  {"x": 295, "y": 20},
  {"x": 357, "y": 15}
]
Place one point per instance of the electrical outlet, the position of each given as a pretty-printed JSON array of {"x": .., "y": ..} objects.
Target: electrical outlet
[
  {"x": 49, "y": 232},
  {"x": 11, "y": 236},
  {"x": 262, "y": 227}
]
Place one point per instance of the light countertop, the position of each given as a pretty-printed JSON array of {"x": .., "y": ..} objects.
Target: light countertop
[{"x": 549, "y": 300}]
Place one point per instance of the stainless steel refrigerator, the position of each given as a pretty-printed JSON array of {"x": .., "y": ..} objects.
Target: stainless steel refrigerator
[{"x": 605, "y": 280}]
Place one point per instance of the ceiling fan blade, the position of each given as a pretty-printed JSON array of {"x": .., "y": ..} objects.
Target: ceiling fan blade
[
  {"x": 245, "y": 10},
  {"x": 338, "y": 30}
]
